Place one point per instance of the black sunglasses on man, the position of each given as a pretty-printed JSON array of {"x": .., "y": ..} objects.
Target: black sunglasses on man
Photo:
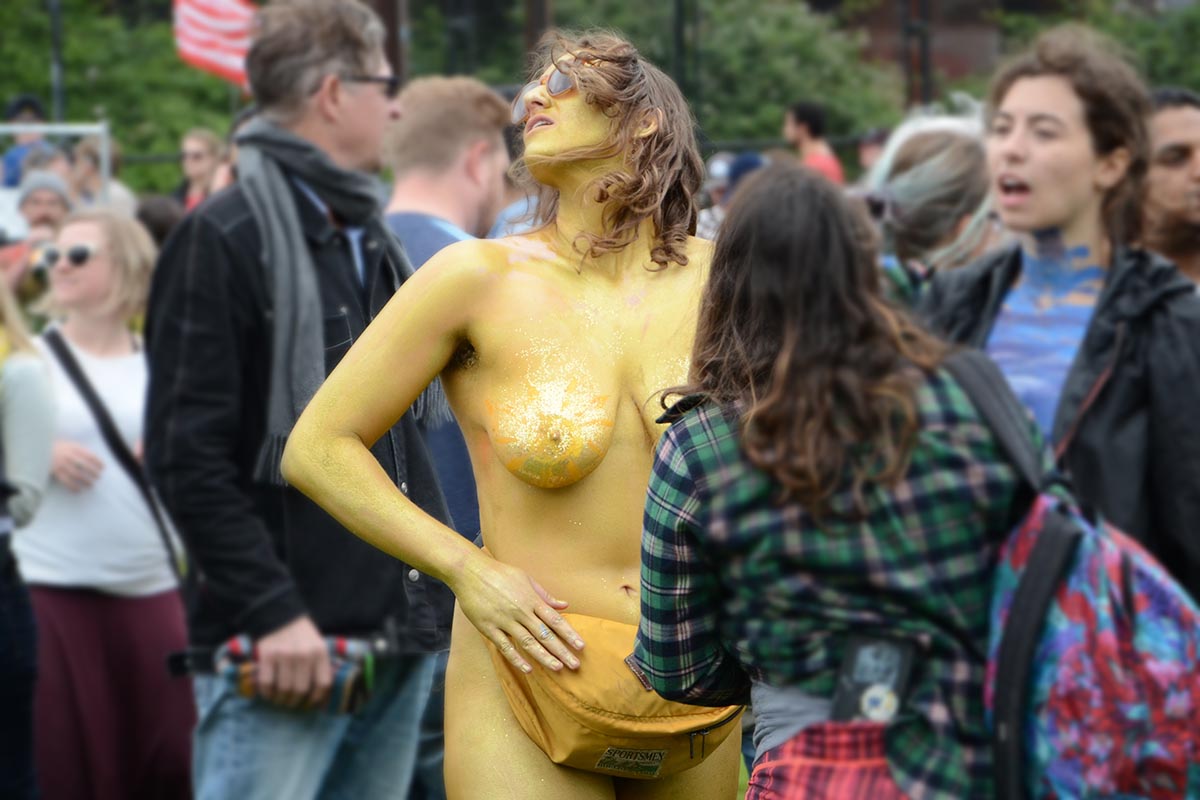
[{"x": 391, "y": 83}]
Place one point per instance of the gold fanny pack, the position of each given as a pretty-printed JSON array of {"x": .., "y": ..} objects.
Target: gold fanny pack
[{"x": 604, "y": 717}]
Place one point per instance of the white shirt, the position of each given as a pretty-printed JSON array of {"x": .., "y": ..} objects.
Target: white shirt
[
  {"x": 104, "y": 537},
  {"x": 27, "y": 429}
]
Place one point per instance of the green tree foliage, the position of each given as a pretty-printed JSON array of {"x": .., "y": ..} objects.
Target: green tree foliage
[
  {"x": 747, "y": 60},
  {"x": 488, "y": 44},
  {"x": 744, "y": 60},
  {"x": 128, "y": 76},
  {"x": 1160, "y": 43}
]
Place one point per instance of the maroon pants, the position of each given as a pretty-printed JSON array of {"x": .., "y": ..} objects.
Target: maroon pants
[
  {"x": 109, "y": 722},
  {"x": 834, "y": 761}
]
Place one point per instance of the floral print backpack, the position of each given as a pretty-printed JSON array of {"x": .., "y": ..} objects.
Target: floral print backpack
[{"x": 1093, "y": 682}]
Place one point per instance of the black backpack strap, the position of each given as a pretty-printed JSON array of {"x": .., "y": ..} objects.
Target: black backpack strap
[
  {"x": 1048, "y": 564},
  {"x": 116, "y": 444},
  {"x": 677, "y": 410},
  {"x": 1003, "y": 412},
  {"x": 1052, "y": 556}
]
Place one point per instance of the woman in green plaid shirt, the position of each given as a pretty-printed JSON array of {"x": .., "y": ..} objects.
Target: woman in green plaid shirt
[{"x": 823, "y": 517}]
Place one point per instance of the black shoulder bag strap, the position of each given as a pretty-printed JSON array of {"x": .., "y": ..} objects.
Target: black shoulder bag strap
[
  {"x": 1048, "y": 563},
  {"x": 116, "y": 444}
]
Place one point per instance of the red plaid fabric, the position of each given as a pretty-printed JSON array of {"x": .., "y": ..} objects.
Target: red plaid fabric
[{"x": 842, "y": 760}]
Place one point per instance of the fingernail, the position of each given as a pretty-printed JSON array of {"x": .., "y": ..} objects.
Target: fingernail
[
  {"x": 573, "y": 663},
  {"x": 578, "y": 644},
  {"x": 555, "y": 665},
  {"x": 526, "y": 668}
]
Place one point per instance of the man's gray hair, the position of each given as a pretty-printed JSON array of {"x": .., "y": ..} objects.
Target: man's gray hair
[{"x": 298, "y": 43}]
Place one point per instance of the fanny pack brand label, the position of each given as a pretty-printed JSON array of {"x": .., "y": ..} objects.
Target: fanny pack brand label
[{"x": 643, "y": 763}]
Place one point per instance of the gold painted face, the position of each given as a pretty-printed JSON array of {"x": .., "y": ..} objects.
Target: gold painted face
[
  {"x": 559, "y": 120},
  {"x": 558, "y": 82}
]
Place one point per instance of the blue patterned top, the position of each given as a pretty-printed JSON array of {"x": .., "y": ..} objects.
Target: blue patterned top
[{"x": 1042, "y": 323}]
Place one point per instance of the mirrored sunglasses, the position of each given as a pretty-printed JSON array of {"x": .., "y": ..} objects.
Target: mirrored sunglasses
[
  {"x": 558, "y": 83},
  {"x": 76, "y": 255}
]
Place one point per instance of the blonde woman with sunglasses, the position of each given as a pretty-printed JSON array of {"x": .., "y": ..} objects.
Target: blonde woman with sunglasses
[
  {"x": 551, "y": 347},
  {"x": 104, "y": 594}
]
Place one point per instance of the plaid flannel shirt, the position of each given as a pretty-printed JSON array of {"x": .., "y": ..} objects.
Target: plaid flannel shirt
[{"x": 736, "y": 587}]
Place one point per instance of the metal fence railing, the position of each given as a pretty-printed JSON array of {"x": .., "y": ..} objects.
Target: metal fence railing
[{"x": 72, "y": 129}]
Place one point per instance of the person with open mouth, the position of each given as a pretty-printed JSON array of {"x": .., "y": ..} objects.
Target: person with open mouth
[{"x": 1099, "y": 338}]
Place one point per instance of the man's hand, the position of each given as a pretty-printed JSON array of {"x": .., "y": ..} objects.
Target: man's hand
[
  {"x": 513, "y": 610},
  {"x": 293, "y": 667}
]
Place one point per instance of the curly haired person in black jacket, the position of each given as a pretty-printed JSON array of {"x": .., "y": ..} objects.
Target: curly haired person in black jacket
[{"x": 1100, "y": 339}]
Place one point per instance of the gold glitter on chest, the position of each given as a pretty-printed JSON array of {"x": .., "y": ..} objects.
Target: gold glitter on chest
[{"x": 553, "y": 426}]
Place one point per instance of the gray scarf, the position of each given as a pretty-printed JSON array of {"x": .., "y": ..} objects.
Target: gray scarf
[{"x": 267, "y": 154}]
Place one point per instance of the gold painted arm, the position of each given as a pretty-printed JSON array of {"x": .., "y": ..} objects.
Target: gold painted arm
[{"x": 401, "y": 352}]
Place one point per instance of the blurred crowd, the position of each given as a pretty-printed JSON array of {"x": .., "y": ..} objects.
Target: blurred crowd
[{"x": 155, "y": 352}]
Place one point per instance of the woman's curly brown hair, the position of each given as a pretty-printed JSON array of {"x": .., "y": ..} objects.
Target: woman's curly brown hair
[{"x": 662, "y": 170}]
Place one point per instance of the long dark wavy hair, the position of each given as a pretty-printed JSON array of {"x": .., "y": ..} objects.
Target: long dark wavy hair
[{"x": 795, "y": 334}]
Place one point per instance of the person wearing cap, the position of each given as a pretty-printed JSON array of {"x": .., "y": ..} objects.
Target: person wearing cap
[
  {"x": 43, "y": 202},
  {"x": 22, "y": 108},
  {"x": 43, "y": 199},
  {"x": 716, "y": 185},
  {"x": 739, "y": 167}
]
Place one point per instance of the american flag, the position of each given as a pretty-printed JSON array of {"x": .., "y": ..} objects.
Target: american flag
[{"x": 214, "y": 35}]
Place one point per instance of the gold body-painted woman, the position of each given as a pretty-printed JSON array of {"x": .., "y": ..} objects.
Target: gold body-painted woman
[{"x": 550, "y": 347}]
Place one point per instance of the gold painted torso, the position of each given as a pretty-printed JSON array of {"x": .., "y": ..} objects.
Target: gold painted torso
[
  {"x": 556, "y": 389},
  {"x": 552, "y": 424}
]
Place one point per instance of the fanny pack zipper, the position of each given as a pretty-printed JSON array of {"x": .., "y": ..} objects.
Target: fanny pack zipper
[{"x": 704, "y": 732}]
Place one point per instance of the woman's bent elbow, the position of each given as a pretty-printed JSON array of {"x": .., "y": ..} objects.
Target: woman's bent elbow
[{"x": 294, "y": 466}]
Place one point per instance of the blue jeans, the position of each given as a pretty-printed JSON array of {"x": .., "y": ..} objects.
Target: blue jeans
[
  {"x": 429, "y": 784},
  {"x": 252, "y": 750}
]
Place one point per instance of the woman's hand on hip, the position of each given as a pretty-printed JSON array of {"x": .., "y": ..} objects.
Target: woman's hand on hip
[
  {"x": 74, "y": 466},
  {"x": 517, "y": 615}
]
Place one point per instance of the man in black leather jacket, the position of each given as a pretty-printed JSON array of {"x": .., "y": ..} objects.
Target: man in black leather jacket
[{"x": 273, "y": 565}]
